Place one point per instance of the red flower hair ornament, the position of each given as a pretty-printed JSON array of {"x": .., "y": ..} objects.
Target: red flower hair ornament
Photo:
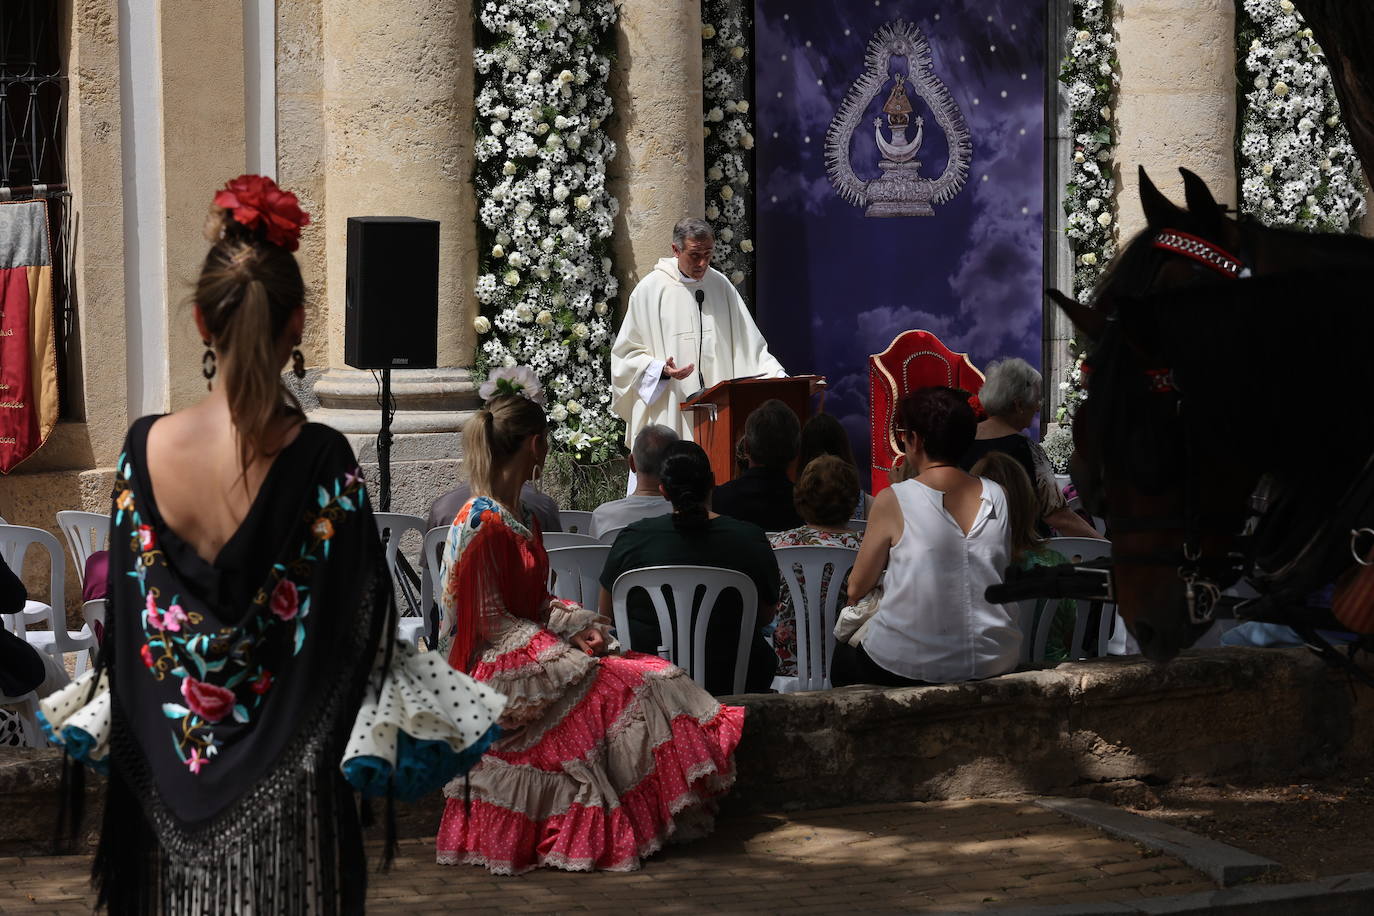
[
  {"x": 978, "y": 412},
  {"x": 255, "y": 202}
]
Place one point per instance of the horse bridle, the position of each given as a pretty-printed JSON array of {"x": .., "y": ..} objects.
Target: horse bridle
[{"x": 1204, "y": 578}]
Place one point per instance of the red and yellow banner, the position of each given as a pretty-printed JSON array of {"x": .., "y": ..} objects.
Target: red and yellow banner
[{"x": 28, "y": 341}]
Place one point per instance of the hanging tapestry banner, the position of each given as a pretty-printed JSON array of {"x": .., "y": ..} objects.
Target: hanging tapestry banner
[
  {"x": 899, "y": 183},
  {"x": 28, "y": 342}
]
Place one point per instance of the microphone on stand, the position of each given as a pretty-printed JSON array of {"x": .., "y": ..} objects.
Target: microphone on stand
[{"x": 701, "y": 332}]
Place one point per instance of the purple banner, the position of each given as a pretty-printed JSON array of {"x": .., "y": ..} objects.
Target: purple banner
[{"x": 928, "y": 213}]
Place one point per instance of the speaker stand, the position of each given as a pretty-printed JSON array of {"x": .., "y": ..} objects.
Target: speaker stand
[{"x": 384, "y": 446}]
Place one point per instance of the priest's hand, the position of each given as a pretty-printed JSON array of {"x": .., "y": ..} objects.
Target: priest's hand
[{"x": 672, "y": 371}]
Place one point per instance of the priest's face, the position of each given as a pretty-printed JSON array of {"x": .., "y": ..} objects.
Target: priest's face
[{"x": 694, "y": 256}]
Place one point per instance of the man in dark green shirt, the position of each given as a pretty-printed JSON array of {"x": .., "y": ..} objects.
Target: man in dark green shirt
[{"x": 723, "y": 542}]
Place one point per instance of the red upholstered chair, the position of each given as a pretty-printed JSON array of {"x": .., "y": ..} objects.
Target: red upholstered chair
[{"x": 916, "y": 359}]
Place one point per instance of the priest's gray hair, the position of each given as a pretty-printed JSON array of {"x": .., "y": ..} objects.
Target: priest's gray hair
[
  {"x": 1010, "y": 382},
  {"x": 650, "y": 443},
  {"x": 689, "y": 227}
]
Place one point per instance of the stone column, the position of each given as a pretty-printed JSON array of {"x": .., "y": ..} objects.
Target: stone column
[
  {"x": 203, "y": 146},
  {"x": 660, "y": 174},
  {"x": 397, "y": 108},
  {"x": 1178, "y": 99}
]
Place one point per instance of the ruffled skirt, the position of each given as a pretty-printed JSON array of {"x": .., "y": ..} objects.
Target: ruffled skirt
[{"x": 632, "y": 755}]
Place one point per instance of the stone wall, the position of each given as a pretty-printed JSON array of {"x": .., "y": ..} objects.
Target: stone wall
[
  {"x": 1238, "y": 715},
  {"x": 1235, "y": 715}
]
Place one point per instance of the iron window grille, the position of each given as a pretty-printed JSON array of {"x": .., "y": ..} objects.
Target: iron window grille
[{"x": 33, "y": 96}]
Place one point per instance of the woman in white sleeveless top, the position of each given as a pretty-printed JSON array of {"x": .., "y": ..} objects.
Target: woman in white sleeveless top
[{"x": 943, "y": 538}]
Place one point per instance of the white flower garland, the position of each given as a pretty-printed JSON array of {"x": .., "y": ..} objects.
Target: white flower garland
[
  {"x": 544, "y": 279},
  {"x": 1091, "y": 74},
  {"x": 725, "y": 63},
  {"x": 1298, "y": 167}
]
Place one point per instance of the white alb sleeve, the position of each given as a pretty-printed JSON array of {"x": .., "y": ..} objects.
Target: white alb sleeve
[{"x": 652, "y": 384}]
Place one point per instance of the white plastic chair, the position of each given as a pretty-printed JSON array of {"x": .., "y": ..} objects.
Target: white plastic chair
[
  {"x": 575, "y": 573},
  {"x": 25, "y": 709},
  {"x": 575, "y": 521},
  {"x": 684, "y": 633},
  {"x": 1076, "y": 550},
  {"x": 815, "y": 613},
  {"x": 555, "y": 539},
  {"x": 433, "y": 561},
  {"x": 410, "y": 629},
  {"x": 86, "y": 532},
  {"x": 393, "y": 526},
  {"x": 608, "y": 536},
  {"x": 15, "y": 541}
]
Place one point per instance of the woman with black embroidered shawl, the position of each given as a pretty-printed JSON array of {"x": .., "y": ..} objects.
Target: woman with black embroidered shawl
[{"x": 249, "y": 604}]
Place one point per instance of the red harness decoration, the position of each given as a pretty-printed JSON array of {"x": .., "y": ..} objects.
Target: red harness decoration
[
  {"x": 1161, "y": 381},
  {"x": 1200, "y": 250}
]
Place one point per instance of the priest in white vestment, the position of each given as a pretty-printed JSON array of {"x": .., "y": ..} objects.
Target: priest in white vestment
[{"x": 686, "y": 329}]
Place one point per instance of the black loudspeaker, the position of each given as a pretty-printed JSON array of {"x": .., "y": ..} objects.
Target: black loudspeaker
[{"x": 391, "y": 298}]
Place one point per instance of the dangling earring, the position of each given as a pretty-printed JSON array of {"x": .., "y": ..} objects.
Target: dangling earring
[
  {"x": 207, "y": 366},
  {"x": 298, "y": 363}
]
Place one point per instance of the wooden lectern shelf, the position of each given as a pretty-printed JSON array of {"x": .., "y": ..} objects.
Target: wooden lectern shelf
[{"x": 722, "y": 409}]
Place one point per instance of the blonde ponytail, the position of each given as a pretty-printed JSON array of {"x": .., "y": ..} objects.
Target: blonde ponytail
[
  {"x": 477, "y": 452},
  {"x": 495, "y": 433}
]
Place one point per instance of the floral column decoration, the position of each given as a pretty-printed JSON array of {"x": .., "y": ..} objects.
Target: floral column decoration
[
  {"x": 1091, "y": 74},
  {"x": 725, "y": 83},
  {"x": 1298, "y": 168},
  {"x": 544, "y": 277}
]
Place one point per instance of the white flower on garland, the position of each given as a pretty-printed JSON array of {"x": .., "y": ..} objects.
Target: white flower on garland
[
  {"x": 544, "y": 277},
  {"x": 1298, "y": 167},
  {"x": 1091, "y": 74},
  {"x": 725, "y": 72}
]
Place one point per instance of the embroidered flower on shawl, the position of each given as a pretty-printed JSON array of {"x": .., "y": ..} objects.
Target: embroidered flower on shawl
[
  {"x": 208, "y": 701},
  {"x": 195, "y": 761},
  {"x": 256, "y": 202},
  {"x": 323, "y": 530},
  {"x": 174, "y": 618},
  {"x": 125, "y": 500},
  {"x": 482, "y": 509},
  {"x": 285, "y": 600},
  {"x": 147, "y": 654},
  {"x": 146, "y": 540},
  {"x": 262, "y": 683}
]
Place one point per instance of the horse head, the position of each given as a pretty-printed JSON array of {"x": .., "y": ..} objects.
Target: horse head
[{"x": 1143, "y": 460}]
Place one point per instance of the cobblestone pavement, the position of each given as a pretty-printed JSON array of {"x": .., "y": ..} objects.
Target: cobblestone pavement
[{"x": 963, "y": 855}]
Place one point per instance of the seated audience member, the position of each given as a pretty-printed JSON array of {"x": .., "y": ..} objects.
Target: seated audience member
[
  {"x": 1011, "y": 397},
  {"x": 23, "y": 669},
  {"x": 693, "y": 535},
  {"x": 762, "y": 495},
  {"x": 823, "y": 435},
  {"x": 646, "y": 501},
  {"x": 942, "y": 536},
  {"x": 13, "y": 594},
  {"x": 824, "y": 498},
  {"x": 536, "y": 501},
  {"x": 1028, "y": 549}
]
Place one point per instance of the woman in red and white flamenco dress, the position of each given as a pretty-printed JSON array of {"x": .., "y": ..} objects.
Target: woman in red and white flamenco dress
[{"x": 604, "y": 757}]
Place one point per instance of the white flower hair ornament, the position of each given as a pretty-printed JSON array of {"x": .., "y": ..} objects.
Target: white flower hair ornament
[{"x": 517, "y": 380}]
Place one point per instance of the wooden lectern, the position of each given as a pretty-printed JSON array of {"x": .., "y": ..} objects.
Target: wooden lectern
[{"x": 722, "y": 410}]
